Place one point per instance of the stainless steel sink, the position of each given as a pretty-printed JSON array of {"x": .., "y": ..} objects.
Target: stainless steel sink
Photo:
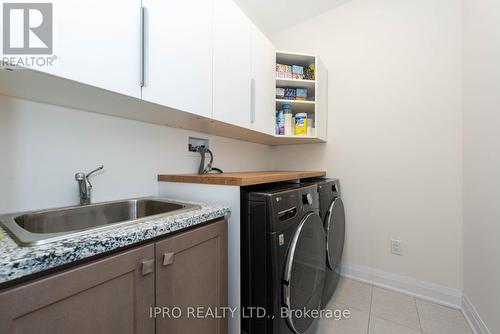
[{"x": 44, "y": 226}]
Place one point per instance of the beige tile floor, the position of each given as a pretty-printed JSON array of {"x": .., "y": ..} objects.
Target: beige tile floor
[{"x": 379, "y": 311}]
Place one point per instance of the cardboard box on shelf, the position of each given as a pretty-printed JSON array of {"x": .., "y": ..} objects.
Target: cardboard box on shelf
[{"x": 283, "y": 71}]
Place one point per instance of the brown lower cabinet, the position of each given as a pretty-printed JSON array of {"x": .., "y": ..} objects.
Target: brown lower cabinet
[{"x": 116, "y": 294}]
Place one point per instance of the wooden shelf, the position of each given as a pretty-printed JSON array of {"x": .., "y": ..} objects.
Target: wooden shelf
[{"x": 241, "y": 178}]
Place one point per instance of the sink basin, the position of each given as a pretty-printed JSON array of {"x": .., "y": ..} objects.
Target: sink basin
[{"x": 44, "y": 226}]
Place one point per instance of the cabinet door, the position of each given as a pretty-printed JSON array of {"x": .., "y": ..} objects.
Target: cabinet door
[
  {"x": 264, "y": 82},
  {"x": 232, "y": 64},
  {"x": 98, "y": 43},
  {"x": 178, "y": 55},
  {"x": 112, "y": 295},
  {"x": 192, "y": 272}
]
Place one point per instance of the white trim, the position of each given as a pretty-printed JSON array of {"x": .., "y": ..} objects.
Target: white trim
[
  {"x": 473, "y": 318},
  {"x": 425, "y": 290}
]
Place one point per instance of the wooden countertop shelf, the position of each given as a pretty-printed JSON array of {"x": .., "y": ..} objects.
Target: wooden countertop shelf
[{"x": 241, "y": 178}]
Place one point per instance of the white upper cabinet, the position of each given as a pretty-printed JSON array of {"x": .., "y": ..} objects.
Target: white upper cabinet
[
  {"x": 178, "y": 54},
  {"x": 98, "y": 43},
  {"x": 202, "y": 64},
  {"x": 232, "y": 84},
  {"x": 263, "y": 76}
]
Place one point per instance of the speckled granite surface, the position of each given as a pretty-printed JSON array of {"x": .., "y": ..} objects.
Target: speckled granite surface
[{"x": 16, "y": 262}]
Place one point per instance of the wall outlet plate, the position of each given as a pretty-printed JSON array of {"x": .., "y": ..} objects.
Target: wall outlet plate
[{"x": 397, "y": 247}]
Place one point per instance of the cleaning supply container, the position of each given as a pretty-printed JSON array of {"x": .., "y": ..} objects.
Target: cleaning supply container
[
  {"x": 287, "y": 110},
  {"x": 281, "y": 123},
  {"x": 310, "y": 123},
  {"x": 301, "y": 124}
]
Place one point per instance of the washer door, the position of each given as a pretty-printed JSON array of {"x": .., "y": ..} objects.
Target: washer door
[
  {"x": 335, "y": 233},
  {"x": 305, "y": 273}
]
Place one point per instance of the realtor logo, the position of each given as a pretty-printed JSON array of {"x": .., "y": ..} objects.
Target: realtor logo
[{"x": 27, "y": 28}]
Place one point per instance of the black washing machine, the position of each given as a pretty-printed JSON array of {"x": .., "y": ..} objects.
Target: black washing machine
[
  {"x": 282, "y": 258},
  {"x": 332, "y": 214}
]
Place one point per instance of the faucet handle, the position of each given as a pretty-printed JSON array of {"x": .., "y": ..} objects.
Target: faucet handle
[{"x": 101, "y": 167}]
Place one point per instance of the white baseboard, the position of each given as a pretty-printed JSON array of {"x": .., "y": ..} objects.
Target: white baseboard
[
  {"x": 429, "y": 291},
  {"x": 472, "y": 316}
]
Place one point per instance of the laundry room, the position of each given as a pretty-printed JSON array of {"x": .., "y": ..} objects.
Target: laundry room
[{"x": 249, "y": 167}]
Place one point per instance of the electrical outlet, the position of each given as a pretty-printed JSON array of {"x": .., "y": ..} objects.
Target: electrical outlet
[{"x": 396, "y": 247}]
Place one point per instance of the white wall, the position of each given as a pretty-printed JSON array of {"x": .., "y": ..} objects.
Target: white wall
[
  {"x": 394, "y": 130},
  {"x": 482, "y": 158},
  {"x": 43, "y": 146}
]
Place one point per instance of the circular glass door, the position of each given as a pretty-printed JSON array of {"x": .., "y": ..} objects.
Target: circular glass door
[
  {"x": 335, "y": 233},
  {"x": 305, "y": 273}
]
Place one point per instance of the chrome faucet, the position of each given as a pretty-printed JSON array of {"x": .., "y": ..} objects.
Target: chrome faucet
[{"x": 84, "y": 185}]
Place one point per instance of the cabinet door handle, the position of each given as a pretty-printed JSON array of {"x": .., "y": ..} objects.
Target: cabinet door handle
[
  {"x": 252, "y": 101},
  {"x": 168, "y": 259},
  {"x": 144, "y": 45},
  {"x": 148, "y": 266}
]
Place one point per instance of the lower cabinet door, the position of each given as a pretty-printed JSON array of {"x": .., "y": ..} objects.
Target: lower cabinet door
[
  {"x": 108, "y": 296},
  {"x": 191, "y": 281}
]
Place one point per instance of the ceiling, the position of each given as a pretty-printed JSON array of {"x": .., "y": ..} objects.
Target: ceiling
[{"x": 272, "y": 16}]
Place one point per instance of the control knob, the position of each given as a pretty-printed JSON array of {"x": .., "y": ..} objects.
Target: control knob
[{"x": 307, "y": 199}]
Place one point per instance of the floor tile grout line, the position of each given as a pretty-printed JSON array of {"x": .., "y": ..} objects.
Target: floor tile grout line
[
  {"x": 370, "y": 312},
  {"x": 418, "y": 314},
  {"x": 354, "y": 308},
  {"x": 398, "y": 324},
  {"x": 394, "y": 322},
  {"x": 357, "y": 308}
]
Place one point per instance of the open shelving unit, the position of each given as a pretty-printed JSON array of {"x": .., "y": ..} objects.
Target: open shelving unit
[{"x": 315, "y": 104}]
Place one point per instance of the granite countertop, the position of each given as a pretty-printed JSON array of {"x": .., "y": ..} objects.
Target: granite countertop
[{"x": 17, "y": 262}]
